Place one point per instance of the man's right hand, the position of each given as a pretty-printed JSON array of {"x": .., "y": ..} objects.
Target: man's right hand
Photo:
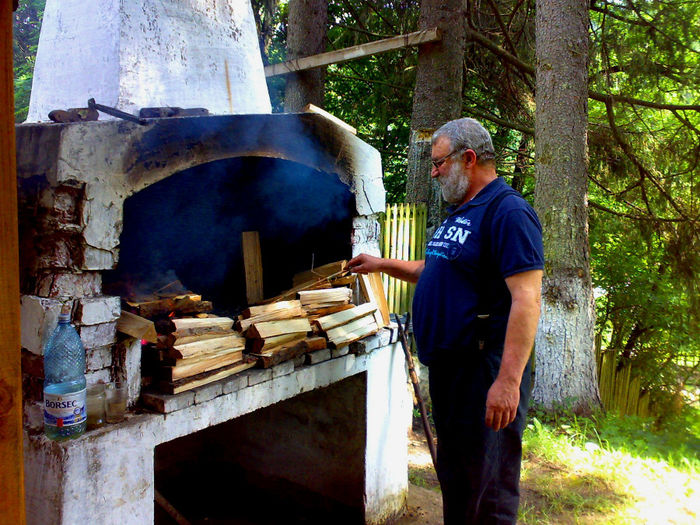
[{"x": 364, "y": 263}]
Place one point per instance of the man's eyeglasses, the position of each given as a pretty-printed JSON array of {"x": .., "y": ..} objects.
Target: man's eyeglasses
[{"x": 441, "y": 161}]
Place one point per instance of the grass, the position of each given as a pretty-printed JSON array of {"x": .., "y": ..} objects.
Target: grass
[
  {"x": 605, "y": 469},
  {"x": 611, "y": 470}
]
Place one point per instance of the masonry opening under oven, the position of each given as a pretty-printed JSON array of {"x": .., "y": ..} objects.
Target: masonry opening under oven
[{"x": 298, "y": 461}]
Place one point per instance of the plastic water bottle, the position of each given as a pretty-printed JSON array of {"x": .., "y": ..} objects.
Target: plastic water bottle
[{"x": 64, "y": 381}]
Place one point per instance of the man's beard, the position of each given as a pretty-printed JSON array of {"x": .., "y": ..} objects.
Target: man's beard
[{"x": 454, "y": 184}]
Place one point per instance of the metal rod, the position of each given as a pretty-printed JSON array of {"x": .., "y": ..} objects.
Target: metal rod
[
  {"x": 116, "y": 112},
  {"x": 416, "y": 389},
  {"x": 172, "y": 511}
]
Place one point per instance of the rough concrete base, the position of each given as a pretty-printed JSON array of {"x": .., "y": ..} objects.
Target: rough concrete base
[{"x": 107, "y": 475}]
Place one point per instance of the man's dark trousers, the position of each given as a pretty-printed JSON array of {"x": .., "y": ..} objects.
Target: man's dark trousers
[{"x": 478, "y": 469}]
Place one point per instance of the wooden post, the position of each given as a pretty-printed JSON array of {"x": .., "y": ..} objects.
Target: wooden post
[
  {"x": 11, "y": 463},
  {"x": 252, "y": 262}
]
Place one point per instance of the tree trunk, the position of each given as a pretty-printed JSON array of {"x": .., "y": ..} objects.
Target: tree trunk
[
  {"x": 437, "y": 97},
  {"x": 264, "y": 12},
  {"x": 565, "y": 372},
  {"x": 306, "y": 36}
]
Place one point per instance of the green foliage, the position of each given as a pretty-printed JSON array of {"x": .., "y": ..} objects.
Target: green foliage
[
  {"x": 374, "y": 94},
  {"x": 675, "y": 441},
  {"x": 26, "y": 26},
  {"x": 644, "y": 230}
]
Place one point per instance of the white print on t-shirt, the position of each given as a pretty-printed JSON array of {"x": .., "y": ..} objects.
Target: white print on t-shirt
[
  {"x": 456, "y": 234},
  {"x": 463, "y": 220}
]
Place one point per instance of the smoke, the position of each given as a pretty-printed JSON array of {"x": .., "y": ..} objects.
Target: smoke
[{"x": 189, "y": 225}]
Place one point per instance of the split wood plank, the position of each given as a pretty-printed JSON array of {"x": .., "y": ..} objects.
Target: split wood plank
[
  {"x": 359, "y": 333},
  {"x": 262, "y": 309},
  {"x": 170, "y": 340},
  {"x": 173, "y": 373},
  {"x": 292, "y": 292},
  {"x": 350, "y": 53},
  {"x": 182, "y": 304},
  {"x": 252, "y": 262},
  {"x": 199, "y": 326},
  {"x": 380, "y": 297},
  {"x": 137, "y": 327},
  {"x": 331, "y": 321},
  {"x": 327, "y": 297},
  {"x": 373, "y": 290},
  {"x": 285, "y": 326},
  {"x": 310, "y": 344},
  {"x": 347, "y": 280},
  {"x": 173, "y": 360},
  {"x": 310, "y": 108},
  {"x": 209, "y": 345},
  {"x": 175, "y": 387},
  {"x": 328, "y": 310},
  {"x": 282, "y": 347},
  {"x": 340, "y": 332},
  {"x": 276, "y": 315},
  {"x": 270, "y": 343},
  {"x": 321, "y": 272}
]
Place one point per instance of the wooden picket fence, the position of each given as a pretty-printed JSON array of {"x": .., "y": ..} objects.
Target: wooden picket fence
[
  {"x": 403, "y": 237},
  {"x": 620, "y": 389}
]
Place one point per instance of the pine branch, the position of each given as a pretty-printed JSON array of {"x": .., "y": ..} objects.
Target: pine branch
[
  {"x": 644, "y": 172},
  {"x": 600, "y": 207},
  {"x": 506, "y": 36},
  {"x": 601, "y": 97},
  {"x": 501, "y": 122}
]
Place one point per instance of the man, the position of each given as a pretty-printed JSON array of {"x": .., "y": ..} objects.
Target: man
[{"x": 475, "y": 313}]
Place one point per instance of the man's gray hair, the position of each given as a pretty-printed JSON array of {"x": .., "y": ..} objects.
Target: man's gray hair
[{"x": 467, "y": 133}]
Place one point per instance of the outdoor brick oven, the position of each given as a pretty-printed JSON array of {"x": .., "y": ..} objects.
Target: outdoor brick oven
[{"x": 329, "y": 430}]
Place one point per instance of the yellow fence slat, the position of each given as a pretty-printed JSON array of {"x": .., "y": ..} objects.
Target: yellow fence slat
[
  {"x": 403, "y": 237},
  {"x": 386, "y": 245},
  {"x": 620, "y": 390}
]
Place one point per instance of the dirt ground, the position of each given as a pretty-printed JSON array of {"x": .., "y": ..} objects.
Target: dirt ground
[{"x": 424, "y": 498}]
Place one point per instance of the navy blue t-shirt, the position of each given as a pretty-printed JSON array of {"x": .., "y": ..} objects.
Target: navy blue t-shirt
[{"x": 459, "y": 282}]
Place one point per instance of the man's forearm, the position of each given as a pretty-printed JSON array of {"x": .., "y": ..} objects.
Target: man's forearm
[
  {"x": 405, "y": 270},
  {"x": 504, "y": 395}
]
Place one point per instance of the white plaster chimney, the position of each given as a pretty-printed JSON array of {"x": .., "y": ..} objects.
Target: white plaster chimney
[{"x": 131, "y": 54}]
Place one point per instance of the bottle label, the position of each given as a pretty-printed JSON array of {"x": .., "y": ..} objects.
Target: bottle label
[{"x": 64, "y": 410}]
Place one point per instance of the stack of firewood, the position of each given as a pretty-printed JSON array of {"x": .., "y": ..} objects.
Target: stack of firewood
[
  {"x": 277, "y": 332},
  {"x": 189, "y": 347},
  {"x": 348, "y": 326},
  {"x": 200, "y": 351},
  {"x": 184, "y": 352},
  {"x": 326, "y": 301}
]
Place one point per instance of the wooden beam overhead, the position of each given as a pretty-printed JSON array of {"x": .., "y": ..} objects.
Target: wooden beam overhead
[{"x": 350, "y": 53}]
